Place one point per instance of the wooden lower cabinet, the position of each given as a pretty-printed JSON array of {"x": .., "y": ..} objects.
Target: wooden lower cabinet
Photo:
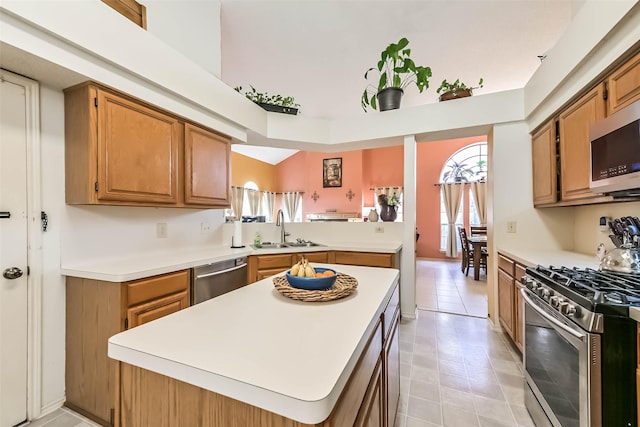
[
  {"x": 510, "y": 302},
  {"x": 96, "y": 310},
  {"x": 370, "y": 397},
  {"x": 369, "y": 259},
  {"x": 263, "y": 266}
]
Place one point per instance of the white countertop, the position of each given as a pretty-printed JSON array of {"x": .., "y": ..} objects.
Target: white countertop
[
  {"x": 533, "y": 257},
  {"x": 123, "y": 269},
  {"x": 255, "y": 345}
]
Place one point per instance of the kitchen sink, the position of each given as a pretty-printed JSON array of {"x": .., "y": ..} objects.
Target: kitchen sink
[{"x": 273, "y": 245}]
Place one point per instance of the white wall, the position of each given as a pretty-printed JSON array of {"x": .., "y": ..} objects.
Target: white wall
[
  {"x": 587, "y": 233},
  {"x": 513, "y": 197},
  {"x": 192, "y": 27},
  {"x": 53, "y": 284}
]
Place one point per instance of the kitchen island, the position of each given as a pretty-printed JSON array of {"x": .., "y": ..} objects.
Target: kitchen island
[{"x": 255, "y": 357}]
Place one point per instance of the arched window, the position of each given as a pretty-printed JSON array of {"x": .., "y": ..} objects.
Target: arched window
[{"x": 465, "y": 165}]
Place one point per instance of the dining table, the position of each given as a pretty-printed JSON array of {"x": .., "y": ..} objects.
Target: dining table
[{"x": 477, "y": 242}]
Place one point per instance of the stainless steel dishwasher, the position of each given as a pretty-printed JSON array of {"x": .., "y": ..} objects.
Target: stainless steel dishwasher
[{"x": 212, "y": 280}]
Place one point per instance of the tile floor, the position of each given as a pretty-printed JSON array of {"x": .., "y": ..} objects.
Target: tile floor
[
  {"x": 441, "y": 286},
  {"x": 456, "y": 370}
]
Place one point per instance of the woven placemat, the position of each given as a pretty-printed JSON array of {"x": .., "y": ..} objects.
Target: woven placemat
[{"x": 343, "y": 286}]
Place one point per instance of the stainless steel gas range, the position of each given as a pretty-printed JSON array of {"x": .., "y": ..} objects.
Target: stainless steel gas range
[{"x": 580, "y": 347}]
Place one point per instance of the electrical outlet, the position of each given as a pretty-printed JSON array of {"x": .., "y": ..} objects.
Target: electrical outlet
[
  {"x": 379, "y": 229},
  {"x": 205, "y": 227},
  {"x": 511, "y": 227},
  {"x": 161, "y": 230}
]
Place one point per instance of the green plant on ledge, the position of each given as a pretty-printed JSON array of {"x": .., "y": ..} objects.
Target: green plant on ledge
[
  {"x": 287, "y": 104},
  {"x": 458, "y": 89},
  {"x": 396, "y": 71}
]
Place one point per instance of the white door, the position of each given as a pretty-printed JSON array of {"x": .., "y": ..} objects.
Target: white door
[{"x": 13, "y": 254}]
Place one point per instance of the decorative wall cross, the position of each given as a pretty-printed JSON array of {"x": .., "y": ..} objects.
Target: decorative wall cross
[
  {"x": 315, "y": 196},
  {"x": 351, "y": 195}
]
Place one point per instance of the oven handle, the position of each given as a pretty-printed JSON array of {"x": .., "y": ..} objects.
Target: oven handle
[
  {"x": 216, "y": 273},
  {"x": 551, "y": 319}
]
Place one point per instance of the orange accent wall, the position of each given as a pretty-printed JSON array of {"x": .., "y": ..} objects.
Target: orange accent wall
[
  {"x": 430, "y": 159},
  {"x": 303, "y": 172},
  {"x": 381, "y": 167},
  {"x": 244, "y": 168}
]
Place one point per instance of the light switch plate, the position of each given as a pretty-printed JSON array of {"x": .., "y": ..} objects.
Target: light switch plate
[
  {"x": 161, "y": 230},
  {"x": 379, "y": 229},
  {"x": 511, "y": 227}
]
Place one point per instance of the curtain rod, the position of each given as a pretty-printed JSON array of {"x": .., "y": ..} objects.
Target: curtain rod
[{"x": 393, "y": 186}]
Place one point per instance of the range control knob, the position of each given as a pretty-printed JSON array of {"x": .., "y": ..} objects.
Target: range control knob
[
  {"x": 568, "y": 309},
  {"x": 554, "y": 301},
  {"x": 562, "y": 307}
]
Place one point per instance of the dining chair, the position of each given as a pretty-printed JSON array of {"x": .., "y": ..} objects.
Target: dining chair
[
  {"x": 467, "y": 253},
  {"x": 478, "y": 230}
]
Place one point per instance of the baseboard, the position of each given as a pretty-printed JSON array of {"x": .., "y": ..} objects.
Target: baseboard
[{"x": 50, "y": 407}]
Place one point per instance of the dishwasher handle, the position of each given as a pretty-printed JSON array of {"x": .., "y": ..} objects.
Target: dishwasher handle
[{"x": 217, "y": 273}]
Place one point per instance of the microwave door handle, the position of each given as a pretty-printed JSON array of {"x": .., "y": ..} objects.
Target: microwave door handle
[
  {"x": 217, "y": 273},
  {"x": 551, "y": 319}
]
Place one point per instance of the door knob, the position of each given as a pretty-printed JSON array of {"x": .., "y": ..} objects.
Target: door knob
[{"x": 12, "y": 273}]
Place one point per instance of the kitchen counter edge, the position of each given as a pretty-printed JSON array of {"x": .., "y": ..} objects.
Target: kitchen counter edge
[{"x": 153, "y": 264}]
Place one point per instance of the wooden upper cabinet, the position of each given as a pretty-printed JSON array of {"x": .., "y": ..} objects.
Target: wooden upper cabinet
[
  {"x": 123, "y": 151},
  {"x": 207, "y": 171},
  {"x": 575, "y": 158},
  {"x": 545, "y": 180},
  {"x": 137, "y": 151},
  {"x": 624, "y": 85}
]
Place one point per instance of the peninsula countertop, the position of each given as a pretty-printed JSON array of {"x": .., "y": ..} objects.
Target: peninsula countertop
[
  {"x": 133, "y": 267},
  {"x": 257, "y": 346}
]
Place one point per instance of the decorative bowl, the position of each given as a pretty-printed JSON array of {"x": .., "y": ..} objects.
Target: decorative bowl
[{"x": 313, "y": 283}]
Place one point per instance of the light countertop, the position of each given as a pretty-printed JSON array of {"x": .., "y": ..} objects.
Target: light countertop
[
  {"x": 533, "y": 257},
  {"x": 123, "y": 269},
  {"x": 255, "y": 345}
]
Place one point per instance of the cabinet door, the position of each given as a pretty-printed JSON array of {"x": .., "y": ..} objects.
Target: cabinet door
[
  {"x": 156, "y": 309},
  {"x": 545, "y": 178},
  {"x": 519, "y": 320},
  {"x": 505, "y": 301},
  {"x": 624, "y": 85},
  {"x": 392, "y": 375},
  {"x": 137, "y": 152},
  {"x": 207, "y": 172},
  {"x": 370, "y": 414},
  {"x": 575, "y": 158}
]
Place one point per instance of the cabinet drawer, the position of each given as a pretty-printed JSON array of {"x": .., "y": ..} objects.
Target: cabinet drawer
[
  {"x": 266, "y": 262},
  {"x": 390, "y": 311},
  {"x": 364, "y": 258},
  {"x": 312, "y": 257},
  {"x": 156, "y": 309},
  {"x": 143, "y": 290},
  {"x": 507, "y": 265}
]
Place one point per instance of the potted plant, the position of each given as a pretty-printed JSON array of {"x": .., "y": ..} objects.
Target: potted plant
[
  {"x": 274, "y": 103},
  {"x": 458, "y": 172},
  {"x": 456, "y": 89},
  {"x": 388, "y": 206},
  {"x": 396, "y": 71}
]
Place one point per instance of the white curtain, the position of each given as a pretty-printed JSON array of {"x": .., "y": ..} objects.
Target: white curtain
[
  {"x": 237, "y": 199},
  {"x": 291, "y": 202},
  {"x": 253, "y": 197},
  {"x": 268, "y": 202},
  {"x": 479, "y": 191},
  {"x": 387, "y": 191},
  {"x": 452, "y": 195}
]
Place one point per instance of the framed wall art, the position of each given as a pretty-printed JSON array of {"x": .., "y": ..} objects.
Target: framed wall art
[{"x": 332, "y": 172}]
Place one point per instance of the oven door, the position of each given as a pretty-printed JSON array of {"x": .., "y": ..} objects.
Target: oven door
[{"x": 562, "y": 368}]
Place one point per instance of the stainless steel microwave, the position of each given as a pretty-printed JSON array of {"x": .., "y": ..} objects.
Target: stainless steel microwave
[{"x": 615, "y": 153}]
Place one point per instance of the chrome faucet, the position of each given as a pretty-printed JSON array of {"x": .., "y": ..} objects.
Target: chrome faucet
[{"x": 280, "y": 223}]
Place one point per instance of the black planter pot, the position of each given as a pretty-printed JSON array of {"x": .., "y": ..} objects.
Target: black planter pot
[
  {"x": 388, "y": 213},
  {"x": 278, "y": 108},
  {"x": 389, "y": 98}
]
